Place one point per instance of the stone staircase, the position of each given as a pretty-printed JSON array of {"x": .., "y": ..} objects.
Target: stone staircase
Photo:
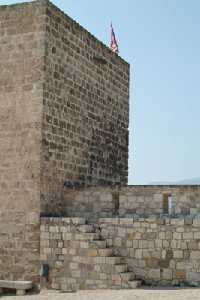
[{"x": 101, "y": 269}]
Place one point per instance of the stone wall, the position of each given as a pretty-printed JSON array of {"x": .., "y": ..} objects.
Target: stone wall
[
  {"x": 78, "y": 258},
  {"x": 163, "y": 251},
  {"x": 63, "y": 121},
  {"x": 91, "y": 203},
  {"x": 85, "y": 113},
  {"x": 126, "y": 201},
  {"x": 64, "y": 124},
  {"x": 118, "y": 252},
  {"x": 21, "y": 61},
  {"x": 146, "y": 200}
]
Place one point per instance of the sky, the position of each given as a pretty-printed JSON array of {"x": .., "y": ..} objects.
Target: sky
[{"x": 161, "y": 41}]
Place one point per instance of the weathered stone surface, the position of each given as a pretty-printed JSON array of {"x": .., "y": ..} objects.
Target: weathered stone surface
[
  {"x": 90, "y": 267},
  {"x": 171, "y": 261},
  {"x": 63, "y": 123},
  {"x": 147, "y": 200},
  {"x": 21, "y": 95},
  {"x": 85, "y": 113},
  {"x": 18, "y": 285}
]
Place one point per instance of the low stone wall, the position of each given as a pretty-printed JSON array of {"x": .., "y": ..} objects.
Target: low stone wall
[
  {"x": 160, "y": 251},
  {"x": 79, "y": 259},
  {"x": 95, "y": 202},
  {"x": 147, "y": 200},
  {"x": 92, "y": 203}
]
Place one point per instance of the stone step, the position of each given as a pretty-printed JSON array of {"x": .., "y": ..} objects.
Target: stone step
[
  {"x": 92, "y": 283},
  {"x": 74, "y": 221},
  {"x": 125, "y": 285},
  {"x": 106, "y": 260},
  {"x": 98, "y": 243},
  {"x": 95, "y": 252},
  {"x": 107, "y": 252},
  {"x": 118, "y": 283},
  {"x": 127, "y": 276},
  {"x": 121, "y": 268},
  {"x": 133, "y": 284},
  {"x": 86, "y": 236},
  {"x": 113, "y": 260},
  {"x": 109, "y": 284},
  {"x": 86, "y": 228},
  {"x": 113, "y": 269}
]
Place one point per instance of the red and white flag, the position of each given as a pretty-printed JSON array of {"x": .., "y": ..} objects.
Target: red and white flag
[{"x": 113, "y": 43}]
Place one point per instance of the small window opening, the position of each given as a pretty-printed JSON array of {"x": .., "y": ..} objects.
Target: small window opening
[{"x": 167, "y": 203}]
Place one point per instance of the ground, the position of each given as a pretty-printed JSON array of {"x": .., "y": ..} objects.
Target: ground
[{"x": 139, "y": 294}]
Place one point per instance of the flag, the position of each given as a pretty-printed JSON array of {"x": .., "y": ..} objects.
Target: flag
[{"x": 113, "y": 43}]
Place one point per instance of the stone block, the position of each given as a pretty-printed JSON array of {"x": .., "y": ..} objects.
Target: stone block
[
  {"x": 195, "y": 254},
  {"x": 20, "y": 292},
  {"x": 136, "y": 224},
  {"x": 168, "y": 235},
  {"x": 121, "y": 232},
  {"x": 178, "y": 254},
  {"x": 154, "y": 274},
  {"x": 76, "y": 273},
  {"x": 197, "y": 235},
  {"x": 167, "y": 274},
  {"x": 135, "y": 244},
  {"x": 143, "y": 244},
  {"x": 73, "y": 266},
  {"x": 177, "y": 222},
  {"x": 151, "y": 262},
  {"x": 180, "y": 229},
  {"x": 162, "y": 235},
  {"x": 153, "y": 226},
  {"x": 117, "y": 242},
  {"x": 196, "y": 222},
  {"x": 166, "y": 244},
  {"x": 92, "y": 252},
  {"x": 126, "y": 221},
  {"x": 131, "y": 236},
  {"x": 180, "y": 274},
  {"x": 138, "y": 253},
  {"x": 105, "y": 252},
  {"x": 187, "y": 235},
  {"x": 193, "y": 245},
  {"x": 193, "y": 276},
  {"x": 177, "y": 235},
  {"x": 158, "y": 243}
]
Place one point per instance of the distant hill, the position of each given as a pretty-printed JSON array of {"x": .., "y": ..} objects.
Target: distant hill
[{"x": 190, "y": 181}]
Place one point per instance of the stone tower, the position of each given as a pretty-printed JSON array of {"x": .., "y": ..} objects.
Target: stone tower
[{"x": 63, "y": 122}]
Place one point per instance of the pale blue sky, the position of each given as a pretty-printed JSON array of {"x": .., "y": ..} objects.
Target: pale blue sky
[{"x": 161, "y": 40}]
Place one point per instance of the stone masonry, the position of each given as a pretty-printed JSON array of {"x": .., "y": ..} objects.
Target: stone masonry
[
  {"x": 21, "y": 95},
  {"x": 143, "y": 201},
  {"x": 79, "y": 259},
  {"x": 67, "y": 217},
  {"x": 121, "y": 252},
  {"x": 63, "y": 122},
  {"x": 159, "y": 251},
  {"x": 127, "y": 227},
  {"x": 85, "y": 111}
]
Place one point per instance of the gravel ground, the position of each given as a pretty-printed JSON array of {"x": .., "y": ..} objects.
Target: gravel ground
[{"x": 139, "y": 294}]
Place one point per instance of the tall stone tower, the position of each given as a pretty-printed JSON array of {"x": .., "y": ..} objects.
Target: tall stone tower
[{"x": 63, "y": 121}]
